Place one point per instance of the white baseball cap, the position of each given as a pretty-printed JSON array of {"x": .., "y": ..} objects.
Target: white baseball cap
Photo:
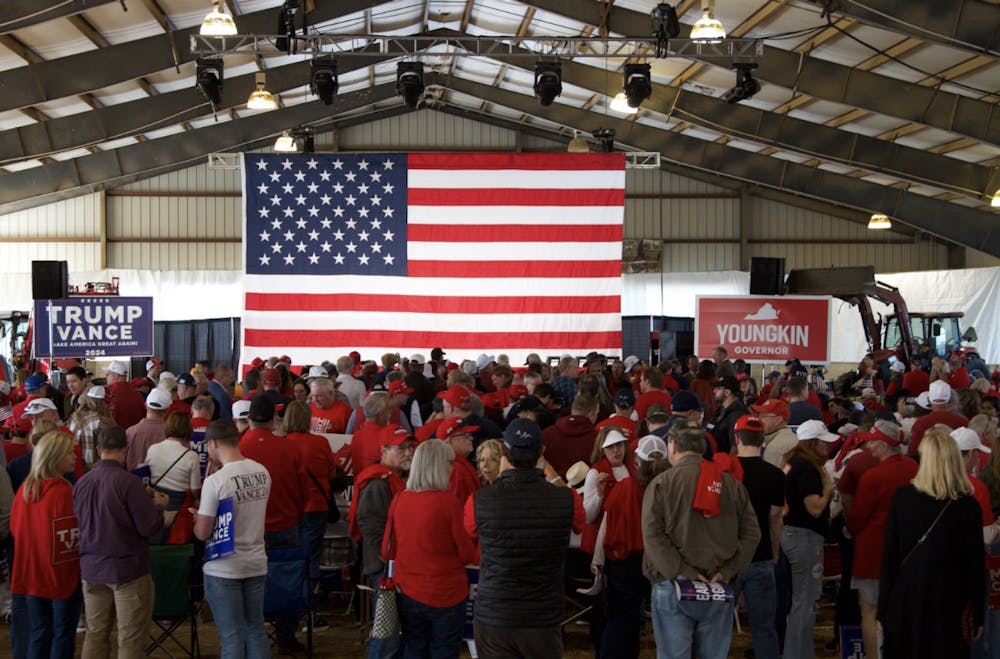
[
  {"x": 967, "y": 439},
  {"x": 39, "y": 405},
  {"x": 651, "y": 444},
  {"x": 241, "y": 409},
  {"x": 417, "y": 357},
  {"x": 97, "y": 392},
  {"x": 939, "y": 392},
  {"x": 813, "y": 429},
  {"x": 117, "y": 367},
  {"x": 898, "y": 367},
  {"x": 629, "y": 362},
  {"x": 613, "y": 437},
  {"x": 167, "y": 375},
  {"x": 159, "y": 400},
  {"x": 317, "y": 372}
]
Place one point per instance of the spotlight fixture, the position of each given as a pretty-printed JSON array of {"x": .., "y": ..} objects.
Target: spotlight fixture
[
  {"x": 286, "y": 26},
  {"x": 578, "y": 144},
  {"x": 410, "y": 82},
  {"x": 708, "y": 29},
  {"x": 323, "y": 79},
  {"x": 638, "y": 86},
  {"x": 665, "y": 26},
  {"x": 218, "y": 22},
  {"x": 606, "y": 139},
  {"x": 995, "y": 201},
  {"x": 746, "y": 85},
  {"x": 548, "y": 82},
  {"x": 208, "y": 78},
  {"x": 879, "y": 221},
  {"x": 261, "y": 99},
  {"x": 285, "y": 143},
  {"x": 620, "y": 104}
]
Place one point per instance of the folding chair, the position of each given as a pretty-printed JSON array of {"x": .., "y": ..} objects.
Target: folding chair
[
  {"x": 173, "y": 606},
  {"x": 336, "y": 561},
  {"x": 286, "y": 588}
]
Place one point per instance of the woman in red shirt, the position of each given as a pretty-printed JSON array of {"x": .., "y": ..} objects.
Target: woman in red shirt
[
  {"x": 46, "y": 571},
  {"x": 425, "y": 537}
]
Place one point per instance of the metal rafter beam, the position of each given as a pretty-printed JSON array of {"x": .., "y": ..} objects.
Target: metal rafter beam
[
  {"x": 101, "y": 170},
  {"x": 967, "y": 24},
  {"x": 18, "y": 14},
  {"x": 978, "y": 229},
  {"x": 829, "y": 81},
  {"x": 104, "y": 67},
  {"x": 84, "y": 129},
  {"x": 84, "y": 27}
]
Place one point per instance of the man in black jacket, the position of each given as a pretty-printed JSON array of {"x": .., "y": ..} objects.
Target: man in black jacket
[
  {"x": 523, "y": 525},
  {"x": 731, "y": 408}
]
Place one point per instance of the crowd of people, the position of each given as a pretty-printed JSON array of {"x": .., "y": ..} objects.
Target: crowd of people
[{"x": 678, "y": 490}]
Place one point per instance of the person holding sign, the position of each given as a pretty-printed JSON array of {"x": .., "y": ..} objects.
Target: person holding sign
[
  {"x": 117, "y": 517},
  {"x": 231, "y": 522},
  {"x": 46, "y": 570}
]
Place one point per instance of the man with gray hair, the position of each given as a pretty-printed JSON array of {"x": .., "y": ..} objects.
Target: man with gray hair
[
  {"x": 867, "y": 515},
  {"x": 349, "y": 385},
  {"x": 366, "y": 442},
  {"x": 565, "y": 384},
  {"x": 698, "y": 527},
  {"x": 329, "y": 415}
]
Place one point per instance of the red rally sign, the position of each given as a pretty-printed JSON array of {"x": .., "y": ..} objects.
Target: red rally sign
[{"x": 760, "y": 329}]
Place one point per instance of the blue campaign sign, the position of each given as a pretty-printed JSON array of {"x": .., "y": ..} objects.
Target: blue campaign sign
[
  {"x": 852, "y": 645},
  {"x": 93, "y": 326},
  {"x": 223, "y": 540}
]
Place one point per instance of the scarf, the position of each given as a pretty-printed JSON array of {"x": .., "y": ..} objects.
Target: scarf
[
  {"x": 623, "y": 525},
  {"x": 371, "y": 473},
  {"x": 588, "y": 539},
  {"x": 729, "y": 464}
]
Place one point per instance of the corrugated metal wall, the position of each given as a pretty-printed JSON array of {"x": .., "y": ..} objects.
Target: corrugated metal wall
[{"x": 190, "y": 219}]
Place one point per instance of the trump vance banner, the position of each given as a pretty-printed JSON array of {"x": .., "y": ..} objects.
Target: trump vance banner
[{"x": 472, "y": 252}]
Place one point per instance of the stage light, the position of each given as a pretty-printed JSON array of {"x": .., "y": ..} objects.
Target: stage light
[
  {"x": 208, "y": 78},
  {"x": 410, "y": 82},
  {"x": 218, "y": 23},
  {"x": 708, "y": 29},
  {"x": 548, "y": 82},
  {"x": 323, "y": 79},
  {"x": 285, "y": 143},
  {"x": 746, "y": 85},
  {"x": 260, "y": 98},
  {"x": 638, "y": 86},
  {"x": 879, "y": 221}
]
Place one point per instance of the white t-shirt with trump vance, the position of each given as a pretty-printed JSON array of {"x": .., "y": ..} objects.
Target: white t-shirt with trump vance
[{"x": 248, "y": 483}]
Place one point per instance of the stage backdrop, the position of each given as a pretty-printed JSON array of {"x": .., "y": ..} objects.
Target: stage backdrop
[{"x": 473, "y": 252}]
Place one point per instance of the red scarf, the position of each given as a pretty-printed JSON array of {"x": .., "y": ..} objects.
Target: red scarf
[
  {"x": 729, "y": 464},
  {"x": 588, "y": 539},
  {"x": 852, "y": 442},
  {"x": 708, "y": 492},
  {"x": 371, "y": 473},
  {"x": 623, "y": 532}
]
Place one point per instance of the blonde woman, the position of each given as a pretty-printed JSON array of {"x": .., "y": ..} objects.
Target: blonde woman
[
  {"x": 488, "y": 459},
  {"x": 45, "y": 578},
  {"x": 931, "y": 589},
  {"x": 92, "y": 409}
]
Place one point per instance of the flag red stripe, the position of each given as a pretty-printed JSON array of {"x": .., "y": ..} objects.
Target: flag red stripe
[
  {"x": 514, "y": 197},
  {"x": 526, "y": 161},
  {"x": 495, "y": 269},
  {"x": 514, "y": 233},
  {"x": 432, "y": 304},
  {"x": 454, "y": 340}
]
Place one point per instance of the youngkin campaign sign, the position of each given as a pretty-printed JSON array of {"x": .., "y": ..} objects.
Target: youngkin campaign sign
[
  {"x": 760, "y": 329},
  {"x": 94, "y": 327},
  {"x": 472, "y": 252}
]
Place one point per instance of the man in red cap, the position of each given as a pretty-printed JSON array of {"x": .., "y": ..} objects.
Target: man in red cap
[
  {"x": 401, "y": 398},
  {"x": 270, "y": 381},
  {"x": 374, "y": 488},
  {"x": 458, "y": 403},
  {"x": 464, "y": 478},
  {"x": 765, "y": 485},
  {"x": 778, "y": 437},
  {"x": 867, "y": 516}
]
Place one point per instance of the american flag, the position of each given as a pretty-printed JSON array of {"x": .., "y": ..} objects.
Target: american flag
[
  {"x": 6, "y": 411},
  {"x": 472, "y": 252}
]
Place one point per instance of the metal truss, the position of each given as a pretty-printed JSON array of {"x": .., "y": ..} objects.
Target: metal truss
[{"x": 360, "y": 45}]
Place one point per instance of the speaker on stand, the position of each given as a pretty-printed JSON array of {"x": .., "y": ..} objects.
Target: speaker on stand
[
  {"x": 767, "y": 276},
  {"x": 49, "y": 280}
]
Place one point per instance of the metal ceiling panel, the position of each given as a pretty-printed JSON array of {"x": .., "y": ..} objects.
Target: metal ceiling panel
[{"x": 18, "y": 14}]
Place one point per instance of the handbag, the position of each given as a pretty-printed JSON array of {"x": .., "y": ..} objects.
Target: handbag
[
  {"x": 385, "y": 622},
  {"x": 332, "y": 511}
]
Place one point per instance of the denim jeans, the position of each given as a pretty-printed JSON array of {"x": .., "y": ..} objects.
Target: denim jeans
[
  {"x": 678, "y": 625},
  {"x": 313, "y": 530},
  {"x": 20, "y": 627},
  {"x": 238, "y": 609},
  {"x": 430, "y": 632},
  {"x": 758, "y": 588},
  {"x": 285, "y": 625},
  {"x": 52, "y": 630},
  {"x": 804, "y": 549},
  {"x": 382, "y": 648},
  {"x": 992, "y": 631}
]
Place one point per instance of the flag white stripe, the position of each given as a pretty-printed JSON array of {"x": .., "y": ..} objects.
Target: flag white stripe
[
  {"x": 516, "y": 179},
  {"x": 431, "y": 322},
  {"x": 332, "y": 284},
  {"x": 488, "y": 215},
  {"x": 428, "y": 251},
  {"x": 517, "y": 354}
]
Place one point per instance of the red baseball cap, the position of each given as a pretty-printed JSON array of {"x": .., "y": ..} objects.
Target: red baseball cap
[
  {"x": 355, "y": 355},
  {"x": 399, "y": 387},
  {"x": 271, "y": 377},
  {"x": 458, "y": 396},
  {"x": 774, "y": 406},
  {"x": 395, "y": 435},
  {"x": 455, "y": 426},
  {"x": 257, "y": 362},
  {"x": 749, "y": 422}
]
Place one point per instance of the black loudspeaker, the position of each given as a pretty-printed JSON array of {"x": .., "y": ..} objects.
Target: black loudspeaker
[
  {"x": 49, "y": 280},
  {"x": 767, "y": 276}
]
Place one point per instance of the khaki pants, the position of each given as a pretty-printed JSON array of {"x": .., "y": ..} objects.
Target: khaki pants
[{"x": 131, "y": 603}]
